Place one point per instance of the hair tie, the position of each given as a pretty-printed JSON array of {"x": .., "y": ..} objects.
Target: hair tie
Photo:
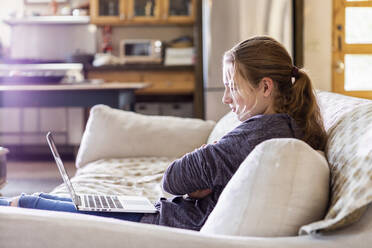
[{"x": 294, "y": 74}]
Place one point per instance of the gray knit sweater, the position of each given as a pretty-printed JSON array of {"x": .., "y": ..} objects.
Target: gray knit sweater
[{"x": 212, "y": 167}]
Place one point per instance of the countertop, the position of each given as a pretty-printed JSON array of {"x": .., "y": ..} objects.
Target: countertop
[
  {"x": 64, "y": 87},
  {"x": 139, "y": 67}
]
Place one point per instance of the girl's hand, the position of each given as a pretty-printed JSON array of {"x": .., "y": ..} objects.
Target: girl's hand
[
  {"x": 204, "y": 145},
  {"x": 199, "y": 194}
]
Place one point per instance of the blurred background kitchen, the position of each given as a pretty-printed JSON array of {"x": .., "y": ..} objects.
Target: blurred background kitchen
[
  {"x": 175, "y": 45},
  {"x": 42, "y": 42}
]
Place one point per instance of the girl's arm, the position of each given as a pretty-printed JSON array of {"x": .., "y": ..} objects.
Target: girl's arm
[{"x": 212, "y": 165}]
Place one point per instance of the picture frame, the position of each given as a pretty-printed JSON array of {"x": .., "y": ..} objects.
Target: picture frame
[{"x": 43, "y": 1}]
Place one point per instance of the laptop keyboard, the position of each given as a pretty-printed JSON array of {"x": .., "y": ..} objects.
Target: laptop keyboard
[{"x": 102, "y": 201}]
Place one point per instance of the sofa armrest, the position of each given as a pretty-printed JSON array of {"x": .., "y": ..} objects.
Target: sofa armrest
[
  {"x": 113, "y": 133},
  {"x": 23, "y": 228}
]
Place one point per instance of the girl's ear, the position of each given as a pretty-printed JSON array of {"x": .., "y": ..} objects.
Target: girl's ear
[{"x": 268, "y": 86}]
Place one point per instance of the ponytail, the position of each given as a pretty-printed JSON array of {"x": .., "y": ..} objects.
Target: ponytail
[{"x": 299, "y": 102}]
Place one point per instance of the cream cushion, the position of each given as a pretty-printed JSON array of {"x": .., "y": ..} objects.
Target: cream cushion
[
  {"x": 114, "y": 133},
  {"x": 282, "y": 185},
  {"x": 226, "y": 124}
]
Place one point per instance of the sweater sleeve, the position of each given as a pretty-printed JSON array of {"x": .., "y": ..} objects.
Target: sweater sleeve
[{"x": 213, "y": 165}]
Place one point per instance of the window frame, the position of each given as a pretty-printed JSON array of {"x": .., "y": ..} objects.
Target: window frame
[{"x": 340, "y": 48}]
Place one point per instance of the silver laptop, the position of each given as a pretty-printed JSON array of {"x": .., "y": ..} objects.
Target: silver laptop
[{"x": 106, "y": 203}]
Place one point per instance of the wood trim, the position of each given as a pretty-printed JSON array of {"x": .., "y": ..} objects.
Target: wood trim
[
  {"x": 160, "y": 82},
  {"x": 298, "y": 32},
  {"x": 123, "y": 10},
  {"x": 111, "y": 76},
  {"x": 358, "y": 4},
  {"x": 340, "y": 48},
  {"x": 357, "y": 48},
  {"x": 338, "y": 43},
  {"x": 166, "y": 88},
  {"x": 199, "y": 111}
]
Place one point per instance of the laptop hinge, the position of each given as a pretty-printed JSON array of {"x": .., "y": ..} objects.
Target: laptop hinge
[{"x": 78, "y": 200}]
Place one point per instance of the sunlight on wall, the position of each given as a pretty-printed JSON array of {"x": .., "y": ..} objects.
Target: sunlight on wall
[{"x": 317, "y": 42}]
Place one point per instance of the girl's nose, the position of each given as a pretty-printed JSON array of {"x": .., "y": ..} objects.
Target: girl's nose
[{"x": 226, "y": 99}]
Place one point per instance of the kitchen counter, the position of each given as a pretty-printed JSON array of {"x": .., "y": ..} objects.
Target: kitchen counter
[
  {"x": 139, "y": 67},
  {"x": 116, "y": 95},
  {"x": 77, "y": 86}
]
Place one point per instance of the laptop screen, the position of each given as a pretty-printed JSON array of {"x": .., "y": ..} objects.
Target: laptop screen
[{"x": 60, "y": 166}]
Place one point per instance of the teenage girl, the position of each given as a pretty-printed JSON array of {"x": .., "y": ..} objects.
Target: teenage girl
[{"x": 269, "y": 95}]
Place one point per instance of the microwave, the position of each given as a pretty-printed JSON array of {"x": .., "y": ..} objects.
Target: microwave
[{"x": 141, "y": 51}]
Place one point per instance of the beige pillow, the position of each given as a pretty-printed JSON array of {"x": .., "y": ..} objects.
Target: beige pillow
[
  {"x": 113, "y": 133},
  {"x": 281, "y": 185},
  {"x": 349, "y": 152},
  {"x": 226, "y": 124}
]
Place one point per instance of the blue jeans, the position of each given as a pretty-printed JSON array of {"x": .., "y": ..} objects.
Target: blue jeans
[{"x": 55, "y": 203}]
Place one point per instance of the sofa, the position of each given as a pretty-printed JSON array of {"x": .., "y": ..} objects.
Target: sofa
[{"x": 129, "y": 156}]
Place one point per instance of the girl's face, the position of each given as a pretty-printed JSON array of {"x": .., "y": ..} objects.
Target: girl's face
[{"x": 240, "y": 95}]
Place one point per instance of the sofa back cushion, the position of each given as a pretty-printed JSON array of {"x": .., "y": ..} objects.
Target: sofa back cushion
[
  {"x": 281, "y": 185},
  {"x": 333, "y": 106},
  {"x": 227, "y": 123},
  {"x": 114, "y": 133},
  {"x": 349, "y": 153}
]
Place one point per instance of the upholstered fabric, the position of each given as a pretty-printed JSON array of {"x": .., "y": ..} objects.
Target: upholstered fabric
[
  {"x": 282, "y": 185},
  {"x": 349, "y": 152},
  {"x": 113, "y": 133},
  {"x": 333, "y": 106},
  {"x": 129, "y": 176},
  {"x": 29, "y": 228},
  {"x": 227, "y": 123}
]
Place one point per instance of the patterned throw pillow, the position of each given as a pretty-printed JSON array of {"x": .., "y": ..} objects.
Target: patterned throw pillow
[{"x": 349, "y": 153}]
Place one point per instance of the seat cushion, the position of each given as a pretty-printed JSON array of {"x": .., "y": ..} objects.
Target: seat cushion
[
  {"x": 129, "y": 176},
  {"x": 282, "y": 185}
]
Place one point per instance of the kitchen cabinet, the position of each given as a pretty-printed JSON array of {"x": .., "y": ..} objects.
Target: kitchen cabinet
[
  {"x": 161, "y": 82},
  {"x": 177, "y": 84},
  {"x": 131, "y": 12},
  {"x": 179, "y": 11},
  {"x": 169, "y": 84}
]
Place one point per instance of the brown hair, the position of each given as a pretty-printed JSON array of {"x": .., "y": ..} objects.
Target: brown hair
[{"x": 262, "y": 56}]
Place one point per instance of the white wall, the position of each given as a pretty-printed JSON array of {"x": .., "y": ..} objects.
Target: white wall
[{"x": 317, "y": 42}]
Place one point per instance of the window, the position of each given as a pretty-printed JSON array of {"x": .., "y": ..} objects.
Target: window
[{"x": 352, "y": 48}]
